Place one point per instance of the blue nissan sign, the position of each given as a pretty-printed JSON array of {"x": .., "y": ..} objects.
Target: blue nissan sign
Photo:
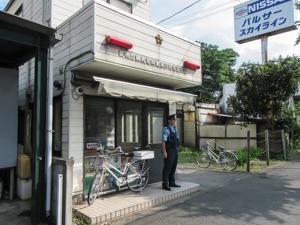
[
  {"x": 263, "y": 4},
  {"x": 257, "y": 18}
]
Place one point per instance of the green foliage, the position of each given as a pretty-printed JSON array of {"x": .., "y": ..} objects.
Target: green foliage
[
  {"x": 263, "y": 90},
  {"x": 286, "y": 120},
  {"x": 255, "y": 153},
  {"x": 297, "y": 127},
  {"x": 78, "y": 221},
  {"x": 217, "y": 69},
  {"x": 186, "y": 155}
]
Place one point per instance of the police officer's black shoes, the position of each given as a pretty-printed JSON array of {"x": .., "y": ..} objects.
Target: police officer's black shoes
[
  {"x": 175, "y": 185},
  {"x": 167, "y": 188}
]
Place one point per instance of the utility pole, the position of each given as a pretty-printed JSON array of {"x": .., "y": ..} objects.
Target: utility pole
[{"x": 264, "y": 49}]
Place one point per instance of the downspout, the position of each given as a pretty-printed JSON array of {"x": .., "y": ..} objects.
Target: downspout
[
  {"x": 49, "y": 117},
  {"x": 196, "y": 126}
]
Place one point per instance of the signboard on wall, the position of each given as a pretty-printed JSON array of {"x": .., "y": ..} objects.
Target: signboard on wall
[{"x": 257, "y": 18}]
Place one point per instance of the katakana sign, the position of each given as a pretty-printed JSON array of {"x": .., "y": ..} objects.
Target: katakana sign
[{"x": 256, "y": 18}]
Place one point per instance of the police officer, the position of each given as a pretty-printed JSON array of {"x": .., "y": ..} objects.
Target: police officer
[{"x": 170, "y": 144}]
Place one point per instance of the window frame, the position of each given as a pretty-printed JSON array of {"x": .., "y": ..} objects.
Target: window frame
[
  {"x": 19, "y": 11},
  {"x": 144, "y": 124},
  {"x": 127, "y": 3}
]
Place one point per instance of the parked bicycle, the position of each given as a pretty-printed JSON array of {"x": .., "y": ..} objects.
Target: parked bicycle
[
  {"x": 226, "y": 158},
  {"x": 135, "y": 173}
]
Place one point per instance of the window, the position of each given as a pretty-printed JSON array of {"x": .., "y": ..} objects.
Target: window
[
  {"x": 130, "y": 124},
  {"x": 130, "y": 127},
  {"x": 57, "y": 126},
  {"x": 19, "y": 11},
  {"x": 121, "y": 5},
  {"x": 155, "y": 124},
  {"x": 100, "y": 121}
]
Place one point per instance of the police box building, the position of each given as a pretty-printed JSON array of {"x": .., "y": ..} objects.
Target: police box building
[{"x": 116, "y": 77}]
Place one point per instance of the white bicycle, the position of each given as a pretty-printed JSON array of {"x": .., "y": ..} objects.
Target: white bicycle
[
  {"x": 135, "y": 173},
  {"x": 225, "y": 157}
]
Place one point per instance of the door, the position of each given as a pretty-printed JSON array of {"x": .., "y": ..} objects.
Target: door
[{"x": 155, "y": 121}]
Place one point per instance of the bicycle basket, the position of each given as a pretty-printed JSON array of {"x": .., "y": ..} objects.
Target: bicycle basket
[
  {"x": 204, "y": 147},
  {"x": 98, "y": 163}
]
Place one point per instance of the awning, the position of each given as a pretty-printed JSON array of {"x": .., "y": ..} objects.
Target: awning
[{"x": 142, "y": 92}]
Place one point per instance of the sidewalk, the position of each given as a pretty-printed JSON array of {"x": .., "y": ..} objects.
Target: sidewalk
[{"x": 123, "y": 204}]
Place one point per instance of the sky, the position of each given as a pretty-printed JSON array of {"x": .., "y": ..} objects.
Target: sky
[
  {"x": 211, "y": 21},
  {"x": 3, "y": 3}
]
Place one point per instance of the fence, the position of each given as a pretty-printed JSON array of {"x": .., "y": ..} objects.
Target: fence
[
  {"x": 230, "y": 136},
  {"x": 236, "y": 137},
  {"x": 272, "y": 142}
]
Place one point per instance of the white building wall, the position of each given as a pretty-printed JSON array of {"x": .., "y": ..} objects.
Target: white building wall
[
  {"x": 73, "y": 135},
  {"x": 142, "y": 9},
  {"x": 77, "y": 40},
  {"x": 63, "y": 9},
  {"x": 173, "y": 50}
]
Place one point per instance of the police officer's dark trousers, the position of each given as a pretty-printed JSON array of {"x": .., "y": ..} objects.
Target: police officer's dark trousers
[{"x": 170, "y": 164}]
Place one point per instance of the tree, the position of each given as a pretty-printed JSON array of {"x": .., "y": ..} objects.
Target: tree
[
  {"x": 263, "y": 90},
  {"x": 217, "y": 69}
]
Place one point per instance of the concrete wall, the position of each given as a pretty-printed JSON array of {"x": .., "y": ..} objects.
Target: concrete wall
[
  {"x": 189, "y": 127},
  {"x": 229, "y": 136},
  {"x": 206, "y": 113},
  {"x": 8, "y": 117}
]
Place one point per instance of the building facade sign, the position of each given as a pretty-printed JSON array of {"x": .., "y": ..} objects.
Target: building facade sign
[
  {"x": 255, "y": 18},
  {"x": 146, "y": 60},
  {"x": 151, "y": 62}
]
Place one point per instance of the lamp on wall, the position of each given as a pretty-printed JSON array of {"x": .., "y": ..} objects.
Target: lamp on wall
[
  {"x": 118, "y": 42},
  {"x": 191, "y": 66}
]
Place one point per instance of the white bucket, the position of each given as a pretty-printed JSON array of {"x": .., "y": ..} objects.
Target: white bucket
[{"x": 1, "y": 188}]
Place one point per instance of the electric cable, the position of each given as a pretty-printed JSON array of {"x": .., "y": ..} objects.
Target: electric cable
[
  {"x": 180, "y": 11},
  {"x": 205, "y": 10},
  {"x": 203, "y": 16}
]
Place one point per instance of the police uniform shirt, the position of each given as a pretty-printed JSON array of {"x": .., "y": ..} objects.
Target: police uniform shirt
[{"x": 166, "y": 132}]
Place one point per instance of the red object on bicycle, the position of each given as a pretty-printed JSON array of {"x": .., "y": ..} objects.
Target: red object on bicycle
[{"x": 118, "y": 42}]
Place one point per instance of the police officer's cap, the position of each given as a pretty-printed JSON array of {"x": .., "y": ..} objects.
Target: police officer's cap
[{"x": 172, "y": 117}]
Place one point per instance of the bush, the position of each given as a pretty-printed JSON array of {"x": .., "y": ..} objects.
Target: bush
[
  {"x": 186, "y": 155},
  {"x": 255, "y": 153}
]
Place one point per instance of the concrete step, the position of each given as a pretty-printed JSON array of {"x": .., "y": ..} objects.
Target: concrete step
[{"x": 122, "y": 204}]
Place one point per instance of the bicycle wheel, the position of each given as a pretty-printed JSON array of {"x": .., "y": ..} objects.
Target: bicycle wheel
[
  {"x": 203, "y": 159},
  {"x": 228, "y": 160},
  {"x": 138, "y": 176},
  {"x": 95, "y": 187}
]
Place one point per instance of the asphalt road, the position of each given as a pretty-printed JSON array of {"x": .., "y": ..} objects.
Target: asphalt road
[{"x": 269, "y": 198}]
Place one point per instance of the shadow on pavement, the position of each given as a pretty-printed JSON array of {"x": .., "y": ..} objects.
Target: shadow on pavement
[{"x": 273, "y": 198}]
